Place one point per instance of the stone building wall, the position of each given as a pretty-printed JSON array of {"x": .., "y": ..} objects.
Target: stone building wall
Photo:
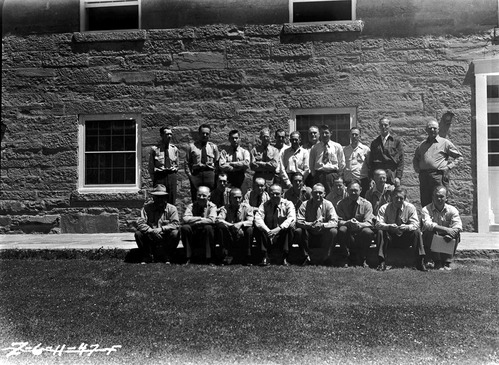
[{"x": 244, "y": 77}]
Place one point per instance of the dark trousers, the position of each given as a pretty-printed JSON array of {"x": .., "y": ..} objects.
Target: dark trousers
[
  {"x": 232, "y": 240},
  {"x": 201, "y": 178},
  {"x": 170, "y": 182},
  {"x": 198, "y": 234},
  {"x": 236, "y": 178},
  {"x": 428, "y": 181},
  {"x": 385, "y": 239},
  {"x": 326, "y": 179},
  {"x": 444, "y": 258},
  {"x": 357, "y": 242},
  {"x": 281, "y": 241},
  {"x": 166, "y": 243},
  {"x": 323, "y": 239}
]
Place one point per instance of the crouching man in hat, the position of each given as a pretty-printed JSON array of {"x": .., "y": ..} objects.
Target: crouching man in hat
[{"x": 157, "y": 226}]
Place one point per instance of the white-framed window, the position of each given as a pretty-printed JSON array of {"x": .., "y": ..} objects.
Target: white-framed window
[
  {"x": 487, "y": 154},
  {"x": 322, "y": 11},
  {"x": 339, "y": 120},
  {"x": 104, "y": 15},
  {"x": 109, "y": 153}
]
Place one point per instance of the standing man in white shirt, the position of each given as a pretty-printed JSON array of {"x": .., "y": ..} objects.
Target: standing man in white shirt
[
  {"x": 326, "y": 160},
  {"x": 294, "y": 160},
  {"x": 356, "y": 157}
]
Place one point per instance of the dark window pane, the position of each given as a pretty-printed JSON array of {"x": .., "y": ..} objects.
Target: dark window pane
[
  {"x": 129, "y": 128},
  {"x": 118, "y": 176},
  {"x": 92, "y": 160},
  {"x": 130, "y": 143},
  {"x": 118, "y": 160},
  {"x": 492, "y": 91},
  {"x": 493, "y": 118},
  {"x": 339, "y": 125},
  {"x": 91, "y": 143},
  {"x": 318, "y": 11},
  {"x": 493, "y": 146},
  {"x": 113, "y": 17},
  {"x": 117, "y": 143},
  {"x": 129, "y": 176},
  {"x": 494, "y": 160},
  {"x": 91, "y": 176},
  {"x": 105, "y": 176},
  {"x": 92, "y": 128},
  {"x": 493, "y": 132},
  {"x": 130, "y": 160},
  {"x": 104, "y": 143}
]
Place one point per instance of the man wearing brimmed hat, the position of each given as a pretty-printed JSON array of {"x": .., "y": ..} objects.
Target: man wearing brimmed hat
[{"x": 157, "y": 226}]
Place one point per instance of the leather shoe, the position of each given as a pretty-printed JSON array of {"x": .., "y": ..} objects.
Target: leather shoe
[
  {"x": 421, "y": 266},
  {"x": 264, "y": 262},
  {"x": 188, "y": 262},
  {"x": 285, "y": 262},
  {"x": 381, "y": 266},
  {"x": 307, "y": 261}
]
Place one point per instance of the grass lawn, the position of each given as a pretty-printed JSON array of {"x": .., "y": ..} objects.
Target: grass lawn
[{"x": 250, "y": 315}]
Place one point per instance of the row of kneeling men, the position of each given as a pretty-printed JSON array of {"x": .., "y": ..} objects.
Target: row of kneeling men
[{"x": 274, "y": 223}]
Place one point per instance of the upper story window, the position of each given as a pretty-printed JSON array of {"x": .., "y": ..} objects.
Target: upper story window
[
  {"x": 102, "y": 15},
  {"x": 321, "y": 11},
  {"x": 109, "y": 153},
  {"x": 339, "y": 120}
]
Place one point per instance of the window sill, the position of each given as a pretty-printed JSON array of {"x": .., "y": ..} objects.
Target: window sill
[
  {"x": 353, "y": 26},
  {"x": 110, "y": 36}
]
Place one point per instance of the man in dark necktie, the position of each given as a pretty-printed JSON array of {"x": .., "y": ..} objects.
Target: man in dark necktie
[
  {"x": 235, "y": 226},
  {"x": 274, "y": 222},
  {"x": 387, "y": 153},
  {"x": 398, "y": 225},
  {"x": 355, "y": 220},
  {"x": 326, "y": 160},
  {"x": 235, "y": 160},
  {"x": 316, "y": 221},
  {"x": 201, "y": 160}
]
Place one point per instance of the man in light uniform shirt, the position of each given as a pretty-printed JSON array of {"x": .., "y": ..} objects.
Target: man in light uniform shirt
[
  {"x": 326, "y": 160},
  {"x": 442, "y": 219},
  {"x": 294, "y": 160},
  {"x": 433, "y": 160},
  {"x": 356, "y": 157},
  {"x": 274, "y": 223},
  {"x": 234, "y": 161}
]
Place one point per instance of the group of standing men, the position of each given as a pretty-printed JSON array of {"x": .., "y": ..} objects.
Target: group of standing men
[{"x": 321, "y": 195}]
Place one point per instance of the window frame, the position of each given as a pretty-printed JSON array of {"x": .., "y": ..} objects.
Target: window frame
[
  {"x": 118, "y": 188},
  {"x": 85, "y": 4},
  {"x": 291, "y": 9},
  {"x": 322, "y": 111}
]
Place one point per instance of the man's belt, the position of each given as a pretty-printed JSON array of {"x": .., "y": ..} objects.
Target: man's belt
[
  {"x": 322, "y": 172},
  {"x": 432, "y": 171}
]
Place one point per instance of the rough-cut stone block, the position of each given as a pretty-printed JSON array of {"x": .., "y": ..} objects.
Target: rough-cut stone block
[
  {"x": 181, "y": 33},
  {"x": 134, "y": 77},
  {"x": 262, "y": 30},
  {"x": 248, "y": 50},
  {"x": 5, "y": 221},
  {"x": 352, "y": 26},
  {"x": 86, "y": 223},
  {"x": 35, "y": 72},
  {"x": 198, "y": 61},
  {"x": 119, "y": 36},
  {"x": 285, "y": 51}
]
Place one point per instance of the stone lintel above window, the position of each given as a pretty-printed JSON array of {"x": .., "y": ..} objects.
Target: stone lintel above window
[
  {"x": 110, "y": 36},
  {"x": 313, "y": 28}
]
